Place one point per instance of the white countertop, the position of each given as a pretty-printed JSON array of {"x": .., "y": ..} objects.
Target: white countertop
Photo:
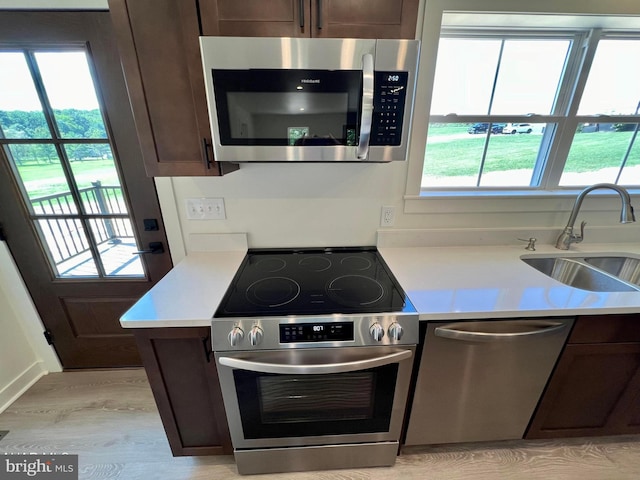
[
  {"x": 493, "y": 282},
  {"x": 188, "y": 295},
  {"x": 442, "y": 282}
]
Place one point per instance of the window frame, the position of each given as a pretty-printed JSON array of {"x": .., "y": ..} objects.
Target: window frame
[{"x": 582, "y": 51}]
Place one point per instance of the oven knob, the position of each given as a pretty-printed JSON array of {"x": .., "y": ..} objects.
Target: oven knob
[
  {"x": 255, "y": 335},
  {"x": 395, "y": 331},
  {"x": 235, "y": 336},
  {"x": 376, "y": 331}
]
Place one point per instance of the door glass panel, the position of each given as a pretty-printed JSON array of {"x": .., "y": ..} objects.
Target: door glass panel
[
  {"x": 68, "y": 247},
  {"x": 76, "y": 181},
  {"x": 71, "y": 93},
  {"x": 41, "y": 174},
  {"x": 20, "y": 109},
  {"x": 116, "y": 244},
  {"x": 96, "y": 176}
]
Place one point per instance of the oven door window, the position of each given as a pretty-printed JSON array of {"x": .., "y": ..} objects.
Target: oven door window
[
  {"x": 273, "y": 406},
  {"x": 288, "y": 107}
]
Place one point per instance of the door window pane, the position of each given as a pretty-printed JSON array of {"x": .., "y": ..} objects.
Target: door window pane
[
  {"x": 116, "y": 244},
  {"x": 20, "y": 109},
  {"x": 71, "y": 93},
  {"x": 596, "y": 154},
  {"x": 71, "y": 173},
  {"x": 68, "y": 247},
  {"x": 42, "y": 176},
  {"x": 613, "y": 87},
  {"x": 96, "y": 176}
]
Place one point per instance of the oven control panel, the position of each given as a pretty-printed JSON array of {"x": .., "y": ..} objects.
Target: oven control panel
[
  {"x": 272, "y": 333},
  {"x": 316, "y": 332}
]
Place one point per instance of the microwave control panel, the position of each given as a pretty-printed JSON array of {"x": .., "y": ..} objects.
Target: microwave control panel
[{"x": 390, "y": 92}]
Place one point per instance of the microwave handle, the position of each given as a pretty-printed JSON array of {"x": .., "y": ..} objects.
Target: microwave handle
[
  {"x": 367, "y": 106},
  {"x": 314, "y": 369}
]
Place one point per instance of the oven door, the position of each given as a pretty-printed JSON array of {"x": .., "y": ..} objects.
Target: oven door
[{"x": 317, "y": 396}]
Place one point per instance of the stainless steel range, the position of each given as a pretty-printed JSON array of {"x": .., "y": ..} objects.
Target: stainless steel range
[{"x": 314, "y": 349}]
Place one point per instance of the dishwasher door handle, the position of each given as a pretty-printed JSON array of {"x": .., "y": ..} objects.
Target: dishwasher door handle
[{"x": 547, "y": 329}]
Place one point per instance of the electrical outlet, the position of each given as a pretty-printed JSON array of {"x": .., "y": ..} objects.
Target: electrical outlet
[
  {"x": 387, "y": 216},
  {"x": 205, "y": 209}
]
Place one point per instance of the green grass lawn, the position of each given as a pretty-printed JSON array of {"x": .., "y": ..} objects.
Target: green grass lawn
[
  {"x": 461, "y": 156},
  {"x": 42, "y": 179}
]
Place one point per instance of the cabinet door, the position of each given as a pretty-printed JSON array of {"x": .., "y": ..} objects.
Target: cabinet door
[
  {"x": 184, "y": 381},
  {"x": 160, "y": 55},
  {"x": 255, "y": 18},
  {"x": 315, "y": 18},
  {"x": 593, "y": 391},
  {"x": 364, "y": 18}
]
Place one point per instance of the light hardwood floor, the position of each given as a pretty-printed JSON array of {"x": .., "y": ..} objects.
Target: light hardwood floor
[{"x": 110, "y": 420}]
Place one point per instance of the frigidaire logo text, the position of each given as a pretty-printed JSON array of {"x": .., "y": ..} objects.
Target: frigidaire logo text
[
  {"x": 310, "y": 80},
  {"x": 30, "y": 468}
]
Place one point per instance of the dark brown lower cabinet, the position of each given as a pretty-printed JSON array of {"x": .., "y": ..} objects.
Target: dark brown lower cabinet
[
  {"x": 184, "y": 381},
  {"x": 595, "y": 388}
]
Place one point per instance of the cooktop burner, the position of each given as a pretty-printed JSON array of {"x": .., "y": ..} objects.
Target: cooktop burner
[{"x": 274, "y": 282}]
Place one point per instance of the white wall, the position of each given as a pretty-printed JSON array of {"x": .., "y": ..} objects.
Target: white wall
[{"x": 24, "y": 354}]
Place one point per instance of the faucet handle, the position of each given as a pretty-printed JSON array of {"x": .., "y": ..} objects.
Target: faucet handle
[
  {"x": 532, "y": 243},
  {"x": 579, "y": 238}
]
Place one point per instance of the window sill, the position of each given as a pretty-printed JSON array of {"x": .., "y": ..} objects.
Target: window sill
[{"x": 510, "y": 201}]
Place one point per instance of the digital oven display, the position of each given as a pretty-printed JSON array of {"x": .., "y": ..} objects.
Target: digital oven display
[{"x": 316, "y": 332}]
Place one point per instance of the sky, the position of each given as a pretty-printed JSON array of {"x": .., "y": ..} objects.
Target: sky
[
  {"x": 65, "y": 75},
  {"x": 528, "y": 78}
]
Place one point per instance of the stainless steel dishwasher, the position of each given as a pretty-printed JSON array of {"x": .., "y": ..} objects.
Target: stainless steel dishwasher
[{"x": 481, "y": 380}]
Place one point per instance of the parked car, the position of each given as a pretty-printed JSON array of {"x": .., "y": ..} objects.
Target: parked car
[
  {"x": 513, "y": 128},
  {"x": 483, "y": 127}
]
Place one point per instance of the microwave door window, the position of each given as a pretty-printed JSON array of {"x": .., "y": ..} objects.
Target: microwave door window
[{"x": 277, "y": 107}]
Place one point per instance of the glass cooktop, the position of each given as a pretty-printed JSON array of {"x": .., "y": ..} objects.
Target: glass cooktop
[{"x": 274, "y": 282}]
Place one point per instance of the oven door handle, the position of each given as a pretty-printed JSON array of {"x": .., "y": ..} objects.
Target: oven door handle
[{"x": 314, "y": 369}]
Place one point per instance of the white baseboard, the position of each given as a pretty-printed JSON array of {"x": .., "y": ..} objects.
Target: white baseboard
[{"x": 11, "y": 392}]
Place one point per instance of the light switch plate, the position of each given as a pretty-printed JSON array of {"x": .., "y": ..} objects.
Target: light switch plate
[{"x": 205, "y": 209}]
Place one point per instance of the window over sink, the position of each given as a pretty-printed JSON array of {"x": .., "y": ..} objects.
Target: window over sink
[{"x": 528, "y": 102}]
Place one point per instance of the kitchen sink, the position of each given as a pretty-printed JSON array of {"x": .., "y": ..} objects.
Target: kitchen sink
[
  {"x": 625, "y": 268},
  {"x": 596, "y": 274}
]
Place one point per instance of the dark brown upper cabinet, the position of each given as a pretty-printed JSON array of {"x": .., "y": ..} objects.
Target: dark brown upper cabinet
[
  {"x": 310, "y": 18},
  {"x": 160, "y": 56}
]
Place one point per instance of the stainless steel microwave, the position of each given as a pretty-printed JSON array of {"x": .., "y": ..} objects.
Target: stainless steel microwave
[{"x": 309, "y": 100}]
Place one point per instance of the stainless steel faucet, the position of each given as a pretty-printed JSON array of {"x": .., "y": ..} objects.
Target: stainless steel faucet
[{"x": 567, "y": 237}]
